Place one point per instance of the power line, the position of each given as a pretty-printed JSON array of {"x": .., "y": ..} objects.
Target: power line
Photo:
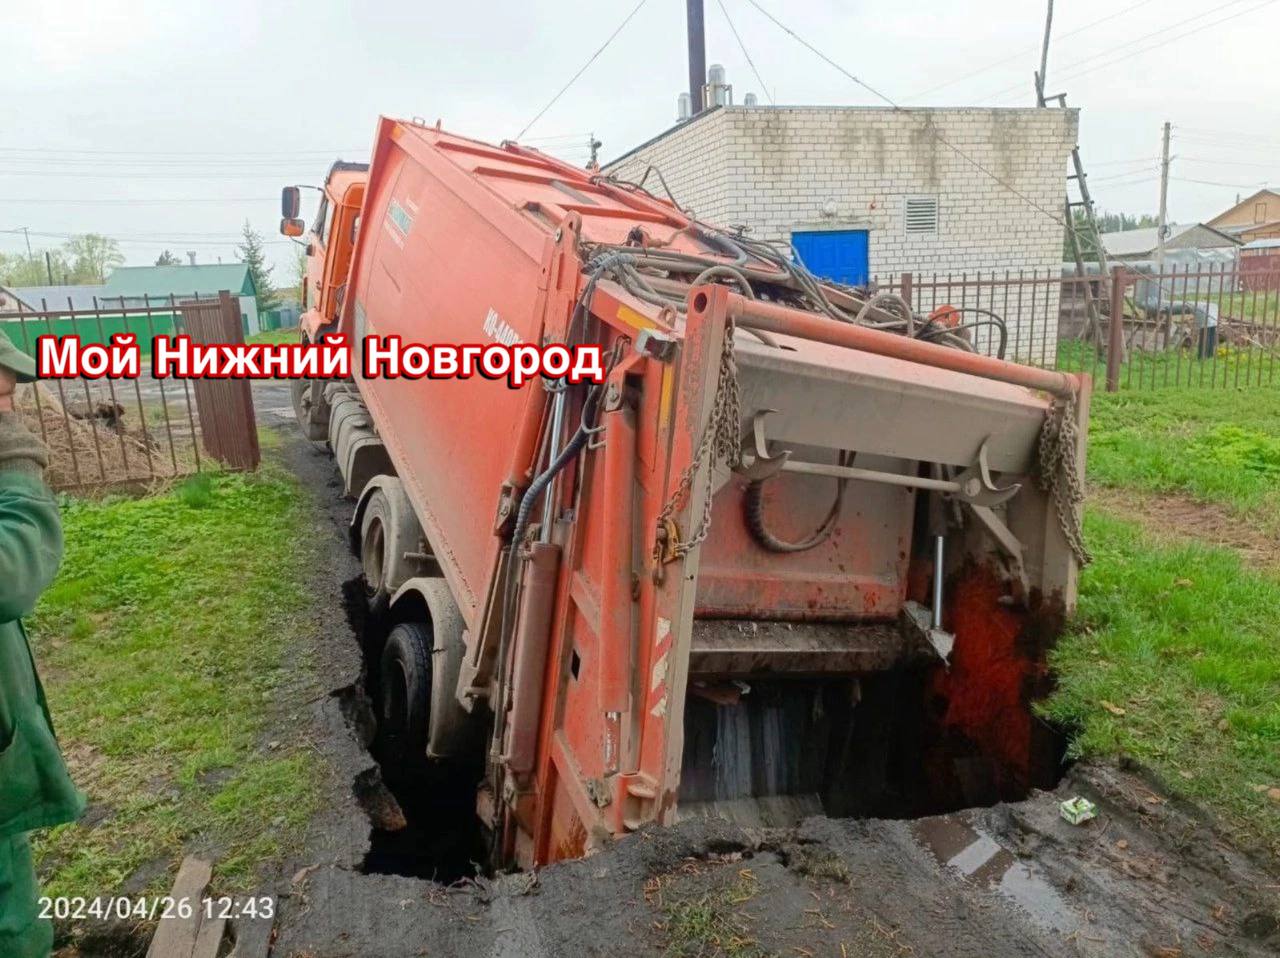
[
  {"x": 152, "y": 241},
  {"x": 1124, "y": 46},
  {"x": 1136, "y": 160},
  {"x": 934, "y": 132},
  {"x": 1182, "y": 36},
  {"x": 1019, "y": 55},
  {"x": 142, "y": 175},
  {"x": 1203, "y": 133},
  {"x": 743, "y": 47},
  {"x": 1209, "y": 159},
  {"x": 31, "y": 201},
  {"x": 1118, "y": 176},
  {"x": 100, "y": 152},
  {"x": 573, "y": 79},
  {"x": 1235, "y": 186}
]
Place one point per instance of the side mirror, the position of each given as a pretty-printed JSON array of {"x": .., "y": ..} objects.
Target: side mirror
[
  {"x": 290, "y": 202},
  {"x": 292, "y": 226}
]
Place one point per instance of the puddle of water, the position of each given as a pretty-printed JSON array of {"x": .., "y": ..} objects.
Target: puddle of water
[{"x": 985, "y": 863}]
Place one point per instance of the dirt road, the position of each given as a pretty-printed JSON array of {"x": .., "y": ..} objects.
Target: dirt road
[{"x": 1148, "y": 877}]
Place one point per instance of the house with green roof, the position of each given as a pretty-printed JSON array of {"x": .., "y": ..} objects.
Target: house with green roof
[{"x": 137, "y": 285}]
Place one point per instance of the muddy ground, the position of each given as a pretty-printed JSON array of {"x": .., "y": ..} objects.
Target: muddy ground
[{"x": 1148, "y": 877}]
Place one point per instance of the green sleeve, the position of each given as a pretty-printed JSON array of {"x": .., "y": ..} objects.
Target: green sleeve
[{"x": 30, "y": 530}]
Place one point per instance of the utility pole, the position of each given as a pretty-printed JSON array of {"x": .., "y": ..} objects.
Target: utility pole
[
  {"x": 48, "y": 266},
  {"x": 697, "y": 55},
  {"x": 1044, "y": 56},
  {"x": 28, "y": 236},
  {"x": 1162, "y": 223}
]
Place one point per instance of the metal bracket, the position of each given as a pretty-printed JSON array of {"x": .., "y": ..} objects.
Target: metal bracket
[
  {"x": 919, "y": 621},
  {"x": 1008, "y": 542},
  {"x": 974, "y": 486},
  {"x": 656, "y": 345}
]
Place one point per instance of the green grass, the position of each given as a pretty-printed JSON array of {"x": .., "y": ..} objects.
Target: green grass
[
  {"x": 289, "y": 334},
  {"x": 1257, "y": 307},
  {"x": 705, "y": 923},
  {"x": 1176, "y": 661},
  {"x": 1230, "y": 368},
  {"x": 1219, "y": 445},
  {"x": 169, "y": 642}
]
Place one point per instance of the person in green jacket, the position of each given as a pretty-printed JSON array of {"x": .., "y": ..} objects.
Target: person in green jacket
[{"x": 35, "y": 788}]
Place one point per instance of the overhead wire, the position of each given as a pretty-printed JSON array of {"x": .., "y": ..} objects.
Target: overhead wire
[
  {"x": 764, "y": 87},
  {"x": 1024, "y": 52},
  {"x": 1126, "y": 47},
  {"x": 581, "y": 70},
  {"x": 933, "y": 131}
]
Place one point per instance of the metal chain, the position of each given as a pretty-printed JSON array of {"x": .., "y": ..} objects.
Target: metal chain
[
  {"x": 1059, "y": 475},
  {"x": 721, "y": 442}
]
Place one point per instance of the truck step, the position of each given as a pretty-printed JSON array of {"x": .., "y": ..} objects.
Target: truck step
[{"x": 740, "y": 648}]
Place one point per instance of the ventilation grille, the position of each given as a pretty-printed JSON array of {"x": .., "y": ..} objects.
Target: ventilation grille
[{"x": 922, "y": 214}]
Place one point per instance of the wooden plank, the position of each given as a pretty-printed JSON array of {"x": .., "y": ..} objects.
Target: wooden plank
[
  {"x": 209, "y": 938},
  {"x": 176, "y": 935},
  {"x": 252, "y": 937}
]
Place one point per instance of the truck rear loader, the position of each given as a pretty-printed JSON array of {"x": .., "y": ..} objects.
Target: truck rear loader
[{"x": 801, "y": 550}]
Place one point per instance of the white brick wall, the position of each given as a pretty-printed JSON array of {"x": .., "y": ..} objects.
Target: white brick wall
[{"x": 775, "y": 168}]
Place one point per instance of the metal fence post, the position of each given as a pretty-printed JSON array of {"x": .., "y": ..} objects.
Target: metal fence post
[
  {"x": 904, "y": 289},
  {"x": 1115, "y": 339}
]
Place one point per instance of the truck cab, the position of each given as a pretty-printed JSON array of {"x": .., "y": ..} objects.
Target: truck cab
[{"x": 329, "y": 242}]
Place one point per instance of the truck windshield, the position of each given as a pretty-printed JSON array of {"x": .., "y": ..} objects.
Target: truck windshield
[{"x": 322, "y": 220}]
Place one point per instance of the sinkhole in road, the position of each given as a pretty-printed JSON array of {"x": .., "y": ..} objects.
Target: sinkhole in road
[
  {"x": 422, "y": 814},
  {"x": 905, "y": 744}
]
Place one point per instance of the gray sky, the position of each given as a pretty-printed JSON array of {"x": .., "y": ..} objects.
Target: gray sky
[{"x": 168, "y": 124}]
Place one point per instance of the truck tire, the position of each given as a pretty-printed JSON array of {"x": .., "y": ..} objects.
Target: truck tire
[
  {"x": 404, "y": 696},
  {"x": 378, "y": 541},
  {"x": 301, "y": 393}
]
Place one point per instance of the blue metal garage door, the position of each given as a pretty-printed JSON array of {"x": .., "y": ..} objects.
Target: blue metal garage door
[{"x": 834, "y": 254}]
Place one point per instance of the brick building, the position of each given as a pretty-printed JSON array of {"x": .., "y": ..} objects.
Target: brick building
[{"x": 869, "y": 192}]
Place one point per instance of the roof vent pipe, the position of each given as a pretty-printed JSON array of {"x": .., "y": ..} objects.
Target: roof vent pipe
[
  {"x": 683, "y": 107},
  {"x": 749, "y": 100}
]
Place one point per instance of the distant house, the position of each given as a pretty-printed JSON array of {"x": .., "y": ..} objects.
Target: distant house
[
  {"x": 1260, "y": 265},
  {"x": 134, "y": 285},
  {"x": 1253, "y": 218},
  {"x": 39, "y": 298},
  {"x": 1140, "y": 245}
]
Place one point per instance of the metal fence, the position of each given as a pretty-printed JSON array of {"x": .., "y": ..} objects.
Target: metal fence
[
  {"x": 107, "y": 432},
  {"x": 1198, "y": 326}
]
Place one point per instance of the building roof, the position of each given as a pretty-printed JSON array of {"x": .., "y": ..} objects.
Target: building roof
[
  {"x": 1243, "y": 228},
  {"x": 55, "y": 297},
  {"x": 202, "y": 280},
  {"x": 1244, "y": 202},
  {"x": 826, "y": 107},
  {"x": 1143, "y": 241},
  {"x": 1273, "y": 243}
]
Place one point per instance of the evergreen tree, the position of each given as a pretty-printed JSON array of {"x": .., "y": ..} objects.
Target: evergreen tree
[
  {"x": 253, "y": 256},
  {"x": 167, "y": 259}
]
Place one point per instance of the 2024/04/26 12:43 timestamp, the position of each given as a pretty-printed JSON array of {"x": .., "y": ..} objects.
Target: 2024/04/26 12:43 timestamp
[{"x": 159, "y": 907}]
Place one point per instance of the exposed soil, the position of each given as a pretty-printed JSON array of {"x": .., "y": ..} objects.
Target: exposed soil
[
  {"x": 1176, "y": 516},
  {"x": 1148, "y": 877}
]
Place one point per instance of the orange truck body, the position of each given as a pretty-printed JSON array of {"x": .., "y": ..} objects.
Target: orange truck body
[{"x": 446, "y": 237}]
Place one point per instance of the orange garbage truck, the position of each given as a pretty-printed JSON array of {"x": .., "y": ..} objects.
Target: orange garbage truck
[{"x": 797, "y": 549}]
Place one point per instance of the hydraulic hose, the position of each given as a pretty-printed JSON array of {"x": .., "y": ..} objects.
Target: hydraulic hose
[{"x": 753, "y": 512}]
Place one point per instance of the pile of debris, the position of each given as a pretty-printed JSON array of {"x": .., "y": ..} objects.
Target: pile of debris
[{"x": 92, "y": 444}]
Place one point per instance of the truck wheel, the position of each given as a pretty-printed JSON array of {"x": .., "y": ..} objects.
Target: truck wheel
[
  {"x": 376, "y": 541},
  {"x": 405, "y": 694},
  {"x": 303, "y": 392}
]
